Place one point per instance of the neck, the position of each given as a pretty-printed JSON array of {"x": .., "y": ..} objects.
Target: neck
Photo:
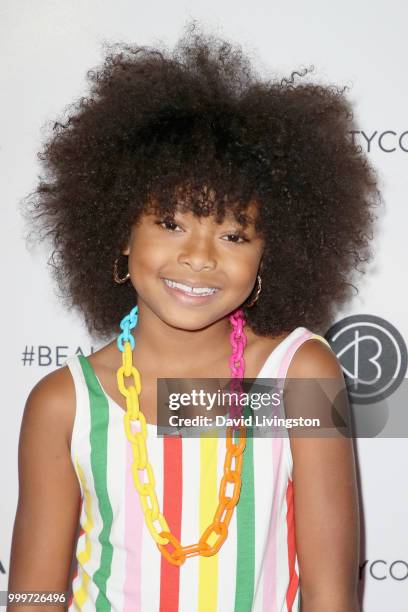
[{"x": 181, "y": 347}]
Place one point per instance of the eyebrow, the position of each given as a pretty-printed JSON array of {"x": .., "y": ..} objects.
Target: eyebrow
[{"x": 228, "y": 218}]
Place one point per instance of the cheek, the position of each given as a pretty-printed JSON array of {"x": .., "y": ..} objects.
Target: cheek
[
  {"x": 243, "y": 272},
  {"x": 147, "y": 255},
  {"x": 145, "y": 262},
  {"x": 143, "y": 253}
]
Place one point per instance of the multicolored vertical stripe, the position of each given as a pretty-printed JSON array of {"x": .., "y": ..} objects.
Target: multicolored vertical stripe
[{"x": 119, "y": 566}]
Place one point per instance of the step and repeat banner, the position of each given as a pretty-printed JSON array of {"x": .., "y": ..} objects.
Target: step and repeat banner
[{"x": 46, "y": 49}]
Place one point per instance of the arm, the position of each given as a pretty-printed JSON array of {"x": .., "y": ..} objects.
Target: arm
[
  {"x": 325, "y": 501},
  {"x": 49, "y": 495}
]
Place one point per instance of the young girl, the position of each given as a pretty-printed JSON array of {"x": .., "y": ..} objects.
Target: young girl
[{"x": 206, "y": 224}]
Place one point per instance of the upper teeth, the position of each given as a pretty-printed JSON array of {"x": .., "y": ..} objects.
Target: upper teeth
[{"x": 187, "y": 289}]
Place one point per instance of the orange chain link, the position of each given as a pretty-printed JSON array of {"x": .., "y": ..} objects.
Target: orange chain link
[{"x": 218, "y": 529}]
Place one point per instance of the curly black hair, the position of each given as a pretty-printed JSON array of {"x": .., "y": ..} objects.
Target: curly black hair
[{"x": 159, "y": 123}]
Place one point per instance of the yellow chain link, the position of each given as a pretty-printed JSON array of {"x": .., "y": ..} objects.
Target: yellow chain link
[{"x": 146, "y": 490}]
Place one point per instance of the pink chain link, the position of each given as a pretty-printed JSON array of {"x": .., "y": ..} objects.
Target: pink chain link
[{"x": 237, "y": 363}]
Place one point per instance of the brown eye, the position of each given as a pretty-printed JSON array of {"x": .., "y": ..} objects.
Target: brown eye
[
  {"x": 240, "y": 237},
  {"x": 167, "y": 222}
]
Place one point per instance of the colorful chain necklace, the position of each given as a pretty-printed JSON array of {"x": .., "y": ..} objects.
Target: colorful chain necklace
[{"x": 146, "y": 490}]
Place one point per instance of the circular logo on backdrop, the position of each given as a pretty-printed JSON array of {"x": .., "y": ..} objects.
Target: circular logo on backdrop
[{"x": 373, "y": 356}]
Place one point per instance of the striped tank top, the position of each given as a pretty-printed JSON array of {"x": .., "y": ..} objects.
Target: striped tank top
[{"x": 117, "y": 564}]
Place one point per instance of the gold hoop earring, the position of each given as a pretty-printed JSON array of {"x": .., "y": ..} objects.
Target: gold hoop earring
[
  {"x": 116, "y": 277},
  {"x": 258, "y": 291}
]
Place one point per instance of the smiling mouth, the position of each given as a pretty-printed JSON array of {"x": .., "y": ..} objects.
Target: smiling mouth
[{"x": 188, "y": 289}]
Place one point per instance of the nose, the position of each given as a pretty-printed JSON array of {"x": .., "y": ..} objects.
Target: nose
[{"x": 199, "y": 253}]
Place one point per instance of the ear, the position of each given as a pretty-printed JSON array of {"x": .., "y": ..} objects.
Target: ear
[{"x": 126, "y": 251}]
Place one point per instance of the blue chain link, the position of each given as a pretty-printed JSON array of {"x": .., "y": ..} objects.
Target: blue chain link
[{"x": 127, "y": 323}]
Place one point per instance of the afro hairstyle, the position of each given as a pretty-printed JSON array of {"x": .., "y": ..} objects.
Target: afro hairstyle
[{"x": 158, "y": 123}]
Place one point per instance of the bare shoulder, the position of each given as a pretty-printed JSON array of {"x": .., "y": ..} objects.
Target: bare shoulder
[
  {"x": 52, "y": 401},
  {"x": 53, "y": 398},
  {"x": 314, "y": 359},
  {"x": 316, "y": 384}
]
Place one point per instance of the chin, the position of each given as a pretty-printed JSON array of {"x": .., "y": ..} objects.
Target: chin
[{"x": 192, "y": 321}]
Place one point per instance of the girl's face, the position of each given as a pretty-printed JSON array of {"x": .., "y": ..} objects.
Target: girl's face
[{"x": 193, "y": 252}]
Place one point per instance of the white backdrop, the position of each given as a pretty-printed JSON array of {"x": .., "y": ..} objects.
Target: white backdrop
[{"x": 45, "y": 49}]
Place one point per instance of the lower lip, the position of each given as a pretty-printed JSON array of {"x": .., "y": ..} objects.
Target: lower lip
[{"x": 189, "y": 299}]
